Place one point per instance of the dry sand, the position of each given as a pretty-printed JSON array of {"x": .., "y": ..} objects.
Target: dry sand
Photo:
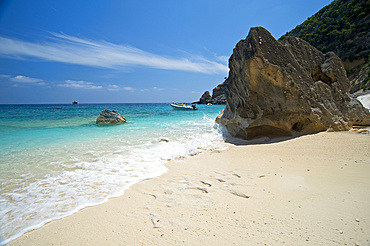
[{"x": 310, "y": 190}]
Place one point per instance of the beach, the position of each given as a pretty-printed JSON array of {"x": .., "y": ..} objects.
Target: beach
[
  {"x": 55, "y": 160},
  {"x": 308, "y": 190},
  {"x": 120, "y": 127}
]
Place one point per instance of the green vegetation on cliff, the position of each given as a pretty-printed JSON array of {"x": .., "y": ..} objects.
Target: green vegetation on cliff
[{"x": 342, "y": 27}]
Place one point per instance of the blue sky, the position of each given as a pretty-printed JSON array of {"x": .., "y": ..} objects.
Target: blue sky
[{"x": 122, "y": 51}]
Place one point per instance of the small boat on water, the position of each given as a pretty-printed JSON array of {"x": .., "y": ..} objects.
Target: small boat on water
[
  {"x": 74, "y": 102},
  {"x": 184, "y": 106}
]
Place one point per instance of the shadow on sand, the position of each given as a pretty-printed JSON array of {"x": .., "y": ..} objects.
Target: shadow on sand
[{"x": 262, "y": 140}]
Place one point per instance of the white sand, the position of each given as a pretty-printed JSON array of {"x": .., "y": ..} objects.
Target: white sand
[{"x": 311, "y": 190}]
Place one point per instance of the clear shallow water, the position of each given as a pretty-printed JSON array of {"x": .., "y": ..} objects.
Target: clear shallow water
[{"x": 54, "y": 159}]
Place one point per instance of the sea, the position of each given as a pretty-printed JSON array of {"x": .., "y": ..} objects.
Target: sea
[{"x": 55, "y": 159}]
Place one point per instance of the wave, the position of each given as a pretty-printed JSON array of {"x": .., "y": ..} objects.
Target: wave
[{"x": 99, "y": 170}]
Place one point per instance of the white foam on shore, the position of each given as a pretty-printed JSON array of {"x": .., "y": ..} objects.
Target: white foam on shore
[
  {"x": 94, "y": 176},
  {"x": 365, "y": 100}
]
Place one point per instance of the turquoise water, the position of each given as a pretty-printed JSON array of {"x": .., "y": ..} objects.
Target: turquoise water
[{"x": 54, "y": 159}]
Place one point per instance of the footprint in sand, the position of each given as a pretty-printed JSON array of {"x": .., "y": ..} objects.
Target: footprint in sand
[
  {"x": 240, "y": 194},
  {"x": 204, "y": 190},
  {"x": 206, "y": 183},
  {"x": 155, "y": 220},
  {"x": 237, "y": 175}
]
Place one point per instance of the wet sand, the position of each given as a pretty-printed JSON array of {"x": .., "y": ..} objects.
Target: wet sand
[{"x": 309, "y": 190}]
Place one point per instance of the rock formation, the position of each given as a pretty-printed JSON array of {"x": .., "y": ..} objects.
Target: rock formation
[
  {"x": 362, "y": 81},
  {"x": 344, "y": 29},
  {"x": 218, "y": 96},
  {"x": 286, "y": 88},
  {"x": 110, "y": 117},
  {"x": 205, "y": 98}
]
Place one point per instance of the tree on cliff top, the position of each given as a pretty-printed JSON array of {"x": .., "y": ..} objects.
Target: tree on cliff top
[{"x": 342, "y": 27}]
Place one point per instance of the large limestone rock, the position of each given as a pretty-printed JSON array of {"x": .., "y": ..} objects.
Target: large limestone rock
[
  {"x": 286, "y": 88},
  {"x": 110, "y": 117}
]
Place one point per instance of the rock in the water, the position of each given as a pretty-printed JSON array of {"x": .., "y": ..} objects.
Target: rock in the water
[
  {"x": 205, "y": 98},
  {"x": 110, "y": 117},
  {"x": 218, "y": 96},
  {"x": 286, "y": 88}
]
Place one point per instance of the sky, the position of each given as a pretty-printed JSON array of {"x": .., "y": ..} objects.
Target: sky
[{"x": 122, "y": 51}]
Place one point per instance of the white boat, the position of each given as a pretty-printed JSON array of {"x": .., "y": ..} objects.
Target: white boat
[{"x": 183, "y": 106}]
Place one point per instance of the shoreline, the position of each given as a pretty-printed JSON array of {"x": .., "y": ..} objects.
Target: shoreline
[{"x": 307, "y": 190}]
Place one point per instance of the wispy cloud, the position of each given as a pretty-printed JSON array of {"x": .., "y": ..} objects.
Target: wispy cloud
[
  {"x": 73, "y": 50},
  {"x": 223, "y": 59},
  {"x": 131, "y": 89},
  {"x": 80, "y": 85},
  {"x": 25, "y": 79},
  {"x": 128, "y": 88},
  {"x": 113, "y": 88},
  {"x": 20, "y": 79},
  {"x": 155, "y": 88},
  {"x": 120, "y": 88},
  {"x": 151, "y": 89}
]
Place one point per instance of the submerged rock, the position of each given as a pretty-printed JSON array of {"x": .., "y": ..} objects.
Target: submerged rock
[
  {"x": 110, "y": 117},
  {"x": 286, "y": 88}
]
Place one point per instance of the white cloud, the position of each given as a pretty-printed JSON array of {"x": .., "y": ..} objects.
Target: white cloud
[
  {"x": 80, "y": 85},
  {"x": 152, "y": 89},
  {"x": 113, "y": 88},
  {"x": 73, "y": 50},
  {"x": 119, "y": 88},
  {"x": 25, "y": 79},
  {"x": 157, "y": 88},
  {"x": 127, "y": 88},
  {"x": 20, "y": 79},
  {"x": 224, "y": 59}
]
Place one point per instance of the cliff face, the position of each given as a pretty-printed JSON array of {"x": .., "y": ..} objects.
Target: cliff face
[
  {"x": 218, "y": 94},
  {"x": 362, "y": 80},
  {"x": 286, "y": 88}
]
